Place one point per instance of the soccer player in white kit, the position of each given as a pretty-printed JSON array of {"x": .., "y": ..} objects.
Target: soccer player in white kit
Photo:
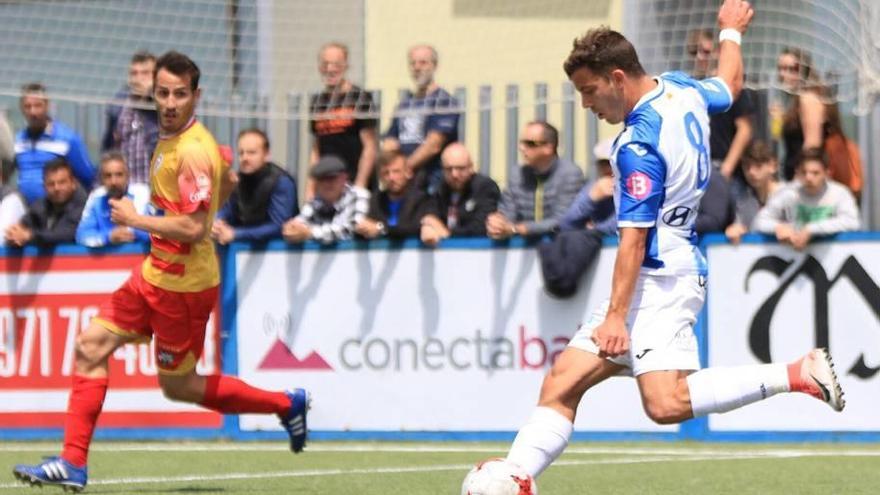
[{"x": 661, "y": 168}]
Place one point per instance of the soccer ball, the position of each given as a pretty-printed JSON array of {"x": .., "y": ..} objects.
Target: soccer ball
[{"x": 498, "y": 477}]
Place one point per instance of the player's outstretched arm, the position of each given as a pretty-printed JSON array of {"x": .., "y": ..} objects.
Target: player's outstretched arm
[{"x": 734, "y": 15}]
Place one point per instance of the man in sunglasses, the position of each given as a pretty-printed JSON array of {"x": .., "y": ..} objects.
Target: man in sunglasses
[{"x": 538, "y": 196}]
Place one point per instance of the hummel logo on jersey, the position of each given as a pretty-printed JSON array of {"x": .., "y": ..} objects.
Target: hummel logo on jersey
[
  {"x": 637, "y": 149},
  {"x": 642, "y": 354}
]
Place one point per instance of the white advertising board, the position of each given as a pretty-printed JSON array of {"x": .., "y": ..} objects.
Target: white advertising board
[
  {"x": 768, "y": 302},
  {"x": 416, "y": 340}
]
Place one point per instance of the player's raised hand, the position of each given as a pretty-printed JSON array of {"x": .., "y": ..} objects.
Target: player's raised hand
[{"x": 735, "y": 14}]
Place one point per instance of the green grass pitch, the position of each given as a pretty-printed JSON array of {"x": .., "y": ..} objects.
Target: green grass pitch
[{"x": 365, "y": 468}]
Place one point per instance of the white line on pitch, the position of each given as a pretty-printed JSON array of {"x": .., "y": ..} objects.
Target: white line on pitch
[{"x": 401, "y": 470}]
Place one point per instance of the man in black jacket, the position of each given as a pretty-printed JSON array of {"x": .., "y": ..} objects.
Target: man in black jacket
[
  {"x": 52, "y": 219},
  {"x": 463, "y": 202},
  {"x": 397, "y": 210},
  {"x": 263, "y": 200}
]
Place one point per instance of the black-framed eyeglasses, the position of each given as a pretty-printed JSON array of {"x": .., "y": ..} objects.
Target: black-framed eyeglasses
[{"x": 531, "y": 143}]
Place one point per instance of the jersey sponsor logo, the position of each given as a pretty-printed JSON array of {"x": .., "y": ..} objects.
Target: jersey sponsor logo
[
  {"x": 638, "y": 185},
  {"x": 677, "y": 216},
  {"x": 203, "y": 183}
]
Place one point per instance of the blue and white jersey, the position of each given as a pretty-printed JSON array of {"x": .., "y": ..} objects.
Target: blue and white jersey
[{"x": 661, "y": 166}]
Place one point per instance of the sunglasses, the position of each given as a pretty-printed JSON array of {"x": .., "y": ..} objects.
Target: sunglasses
[
  {"x": 531, "y": 143},
  {"x": 787, "y": 68}
]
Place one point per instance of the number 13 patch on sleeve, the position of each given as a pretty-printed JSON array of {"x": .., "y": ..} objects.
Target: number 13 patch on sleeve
[{"x": 638, "y": 185}]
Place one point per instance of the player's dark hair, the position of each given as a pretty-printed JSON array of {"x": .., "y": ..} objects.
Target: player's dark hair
[
  {"x": 602, "y": 50},
  {"x": 56, "y": 164},
  {"x": 179, "y": 65},
  {"x": 258, "y": 132}
]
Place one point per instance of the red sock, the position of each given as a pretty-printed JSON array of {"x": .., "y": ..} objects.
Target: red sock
[
  {"x": 795, "y": 383},
  {"x": 230, "y": 395},
  {"x": 83, "y": 408}
]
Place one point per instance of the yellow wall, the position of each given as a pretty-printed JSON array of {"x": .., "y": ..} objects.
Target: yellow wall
[{"x": 476, "y": 51}]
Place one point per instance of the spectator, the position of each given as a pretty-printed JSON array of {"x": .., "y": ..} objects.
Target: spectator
[
  {"x": 264, "y": 198},
  {"x": 593, "y": 207},
  {"x": 731, "y": 131},
  {"x": 133, "y": 127},
  {"x": 812, "y": 120},
  {"x": 95, "y": 228},
  {"x": 463, "y": 202},
  {"x": 397, "y": 210},
  {"x": 339, "y": 119},
  {"x": 716, "y": 211},
  {"x": 538, "y": 196},
  {"x": 812, "y": 206},
  {"x": 760, "y": 170},
  {"x": 52, "y": 219},
  {"x": 335, "y": 210},
  {"x": 44, "y": 139},
  {"x": 424, "y": 122},
  {"x": 566, "y": 257}
]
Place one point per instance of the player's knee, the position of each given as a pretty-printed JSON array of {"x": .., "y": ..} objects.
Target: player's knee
[
  {"x": 89, "y": 351},
  {"x": 665, "y": 411},
  {"x": 179, "y": 389},
  {"x": 176, "y": 393}
]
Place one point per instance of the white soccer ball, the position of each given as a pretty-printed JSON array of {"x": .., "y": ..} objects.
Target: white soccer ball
[{"x": 498, "y": 477}]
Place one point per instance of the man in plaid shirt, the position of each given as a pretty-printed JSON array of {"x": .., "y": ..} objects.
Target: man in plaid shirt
[{"x": 335, "y": 210}]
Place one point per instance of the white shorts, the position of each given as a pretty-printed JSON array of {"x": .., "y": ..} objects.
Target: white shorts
[{"x": 660, "y": 325}]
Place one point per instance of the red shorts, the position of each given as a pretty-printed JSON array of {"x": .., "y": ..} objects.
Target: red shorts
[{"x": 177, "y": 320}]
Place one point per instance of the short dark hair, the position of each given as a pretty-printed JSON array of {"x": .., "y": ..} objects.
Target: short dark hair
[
  {"x": 602, "y": 50},
  {"x": 389, "y": 156},
  {"x": 551, "y": 135},
  {"x": 758, "y": 152},
  {"x": 142, "y": 56},
  {"x": 258, "y": 132},
  {"x": 32, "y": 88},
  {"x": 56, "y": 164},
  {"x": 179, "y": 65},
  {"x": 812, "y": 155}
]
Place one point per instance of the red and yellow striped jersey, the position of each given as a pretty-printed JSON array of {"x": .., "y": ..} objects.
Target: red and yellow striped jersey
[{"x": 185, "y": 177}]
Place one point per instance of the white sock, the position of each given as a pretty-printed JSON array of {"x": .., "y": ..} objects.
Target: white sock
[
  {"x": 540, "y": 441},
  {"x": 718, "y": 390}
]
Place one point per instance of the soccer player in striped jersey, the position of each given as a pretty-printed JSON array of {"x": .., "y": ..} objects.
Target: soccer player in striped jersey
[{"x": 661, "y": 167}]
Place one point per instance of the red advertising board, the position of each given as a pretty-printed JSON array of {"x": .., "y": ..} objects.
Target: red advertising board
[{"x": 44, "y": 303}]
